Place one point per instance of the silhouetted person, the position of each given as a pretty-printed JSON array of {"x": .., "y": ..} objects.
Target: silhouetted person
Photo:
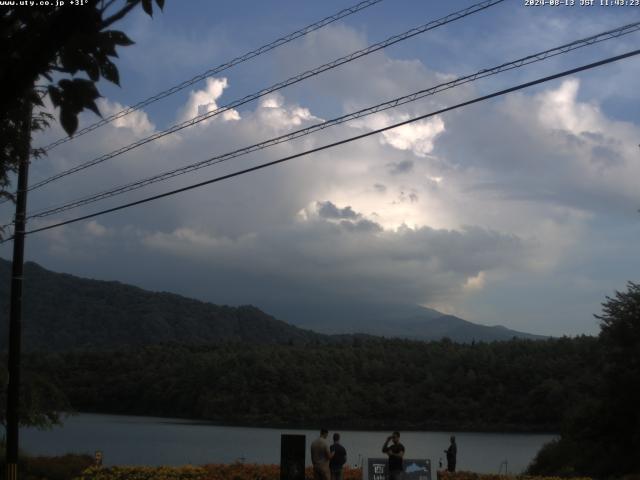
[
  {"x": 320, "y": 456},
  {"x": 338, "y": 458},
  {"x": 395, "y": 451},
  {"x": 452, "y": 453}
]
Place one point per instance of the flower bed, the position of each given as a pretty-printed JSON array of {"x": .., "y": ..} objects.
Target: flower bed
[
  {"x": 444, "y": 475},
  {"x": 233, "y": 471},
  {"x": 245, "y": 471},
  {"x": 144, "y": 473}
]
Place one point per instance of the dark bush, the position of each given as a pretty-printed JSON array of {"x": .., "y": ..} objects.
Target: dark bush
[
  {"x": 553, "y": 459},
  {"x": 65, "y": 467}
]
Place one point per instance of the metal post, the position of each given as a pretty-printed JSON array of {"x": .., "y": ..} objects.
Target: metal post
[{"x": 15, "y": 313}]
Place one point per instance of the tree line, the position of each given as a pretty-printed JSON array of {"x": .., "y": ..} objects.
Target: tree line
[{"x": 518, "y": 385}]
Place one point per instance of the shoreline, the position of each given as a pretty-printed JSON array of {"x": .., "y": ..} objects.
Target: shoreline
[{"x": 364, "y": 426}]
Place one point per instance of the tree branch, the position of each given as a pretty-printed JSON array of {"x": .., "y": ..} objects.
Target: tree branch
[
  {"x": 119, "y": 15},
  {"x": 104, "y": 7}
]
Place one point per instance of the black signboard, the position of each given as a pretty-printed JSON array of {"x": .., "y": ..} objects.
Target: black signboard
[{"x": 292, "y": 455}]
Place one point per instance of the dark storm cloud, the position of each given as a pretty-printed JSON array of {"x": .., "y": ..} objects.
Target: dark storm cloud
[
  {"x": 330, "y": 211},
  {"x": 404, "y": 166},
  {"x": 366, "y": 226}
]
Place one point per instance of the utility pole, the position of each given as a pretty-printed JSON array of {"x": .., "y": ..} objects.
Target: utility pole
[{"x": 15, "y": 311}]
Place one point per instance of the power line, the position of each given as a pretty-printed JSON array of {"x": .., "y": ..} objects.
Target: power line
[
  {"x": 215, "y": 70},
  {"x": 341, "y": 142},
  {"x": 615, "y": 33},
  {"x": 278, "y": 86}
]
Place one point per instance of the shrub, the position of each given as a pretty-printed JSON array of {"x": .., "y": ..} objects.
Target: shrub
[
  {"x": 65, "y": 467},
  {"x": 444, "y": 475},
  {"x": 231, "y": 471},
  {"x": 144, "y": 473}
]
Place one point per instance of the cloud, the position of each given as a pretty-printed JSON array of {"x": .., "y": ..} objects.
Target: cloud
[
  {"x": 282, "y": 225},
  {"x": 366, "y": 226},
  {"x": 186, "y": 236},
  {"x": 330, "y": 211},
  {"x": 95, "y": 229},
  {"x": 273, "y": 112},
  {"x": 354, "y": 258},
  {"x": 138, "y": 122},
  {"x": 560, "y": 109},
  {"x": 203, "y": 101},
  {"x": 417, "y": 137},
  {"x": 405, "y": 166},
  {"x": 345, "y": 217}
]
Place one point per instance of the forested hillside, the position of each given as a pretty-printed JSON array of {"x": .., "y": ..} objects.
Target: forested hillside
[
  {"x": 516, "y": 385},
  {"x": 63, "y": 312}
]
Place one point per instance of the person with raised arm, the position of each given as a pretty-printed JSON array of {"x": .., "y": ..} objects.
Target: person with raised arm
[{"x": 395, "y": 451}]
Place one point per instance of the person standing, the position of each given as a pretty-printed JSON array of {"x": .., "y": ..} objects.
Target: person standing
[
  {"x": 395, "y": 451},
  {"x": 338, "y": 458},
  {"x": 320, "y": 456},
  {"x": 452, "y": 454}
]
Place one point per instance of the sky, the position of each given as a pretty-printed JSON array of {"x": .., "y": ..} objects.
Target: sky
[{"x": 520, "y": 211}]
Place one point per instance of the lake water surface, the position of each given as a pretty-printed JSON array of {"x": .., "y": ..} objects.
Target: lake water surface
[{"x": 128, "y": 440}]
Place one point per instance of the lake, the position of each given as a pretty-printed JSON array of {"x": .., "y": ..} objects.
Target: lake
[{"x": 129, "y": 440}]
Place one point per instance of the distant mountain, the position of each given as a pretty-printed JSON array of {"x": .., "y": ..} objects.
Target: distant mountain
[
  {"x": 394, "y": 320},
  {"x": 428, "y": 327},
  {"x": 63, "y": 312}
]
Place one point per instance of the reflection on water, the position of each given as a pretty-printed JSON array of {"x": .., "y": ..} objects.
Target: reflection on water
[{"x": 127, "y": 440}]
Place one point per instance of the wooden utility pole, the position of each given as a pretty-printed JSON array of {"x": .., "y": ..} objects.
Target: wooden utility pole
[{"x": 15, "y": 311}]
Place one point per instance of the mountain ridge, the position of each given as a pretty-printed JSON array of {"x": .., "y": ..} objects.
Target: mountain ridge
[{"x": 67, "y": 312}]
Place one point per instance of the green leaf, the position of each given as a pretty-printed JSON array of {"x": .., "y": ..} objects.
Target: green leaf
[
  {"x": 93, "y": 107},
  {"x": 107, "y": 45},
  {"x": 147, "y": 6},
  {"x": 55, "y": 94},
  {"x": 119, "y": 38},
  {"x": 69, "y": 60},
  {"x": 68, "y": 120},
  {"x": 90, "y": 66},
  {"x": 110, "y": 72},
  {"x": 160, "y": 4},
  {"x": 77, "y": 94}
]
